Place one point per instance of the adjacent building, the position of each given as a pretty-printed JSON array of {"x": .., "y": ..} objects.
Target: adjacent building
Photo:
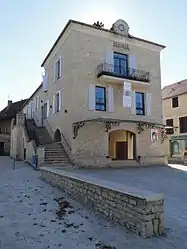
[
  {"x": 6, "y": 116},
  {"x": 174, "y": 102},
  {"x": 101, "y": 96}
]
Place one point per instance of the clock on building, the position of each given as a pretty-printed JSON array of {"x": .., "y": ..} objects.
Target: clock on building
[{"x": 121, "y": 27}]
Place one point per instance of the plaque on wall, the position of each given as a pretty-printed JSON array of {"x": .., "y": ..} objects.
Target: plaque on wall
[{"x": 121, "y": 45}]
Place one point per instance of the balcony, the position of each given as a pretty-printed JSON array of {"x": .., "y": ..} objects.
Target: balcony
[{"x": 109, "y": 73}]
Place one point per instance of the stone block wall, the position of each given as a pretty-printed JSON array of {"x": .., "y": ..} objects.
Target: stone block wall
[{"x": 141, "y": 213}]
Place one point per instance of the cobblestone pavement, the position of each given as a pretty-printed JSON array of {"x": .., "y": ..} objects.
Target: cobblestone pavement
[{"x": 30, "y": 217}]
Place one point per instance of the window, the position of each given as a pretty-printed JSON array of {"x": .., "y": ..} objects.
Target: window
[
  {"x": 45, "y": 111},
  {"x": 57, "y": 102},
  {"x": 37, "y": 102},
  {"x": 175, "y": 102},
  {"x": 120, "y": 64},
  {"x": 183, "y": 124},
  {"x": 140, "y": 103},
  {"x": 58, "y": 69},
  {"x": 185, "y": 143},
  {"x": 169, "y": 122},
  {"x": 176, "y": 149},
  {"x": 100, "y": 98}
]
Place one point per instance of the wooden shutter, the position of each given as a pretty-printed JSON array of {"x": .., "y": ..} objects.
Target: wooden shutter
[
  {"x": 148, "y": 103},
  {"x": 54, "y": 72},
  {"x": 47, "y": 108},
  {"x": 133, "y": 103},
  {"x": 54, "y": 103},
  {"x": 60, "y": 100},
  {"x": 38, "y": 103},
  {"x": 60, "y": 66},
  {"x": 110, "y": 99},
  {"x": 132, "y": 65},
  {"x": 35, "y": 104},
  {"x": 45, "y": 82},
  {"x": 109, "y": 58},
  {"x": 91, "y": 97},
  {"x": 132, "y": 62}
]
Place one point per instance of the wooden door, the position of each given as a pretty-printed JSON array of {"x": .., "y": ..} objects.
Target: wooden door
[{"x": 121, "y": 150}]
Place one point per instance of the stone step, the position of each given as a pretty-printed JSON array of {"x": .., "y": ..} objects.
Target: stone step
[
  {"x": 55, "y": 153},
  {"x": 56, "y": 158},
  {"x": 57, "y": 165},
  {"x": 123, "y": 163},
  {"x": 59, "y": 162}
]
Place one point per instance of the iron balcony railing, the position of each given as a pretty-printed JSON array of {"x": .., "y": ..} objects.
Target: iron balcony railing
[{"x": 130, "y": 73}]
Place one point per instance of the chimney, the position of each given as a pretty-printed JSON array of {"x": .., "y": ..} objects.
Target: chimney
[{"x": 9, "y": 102}]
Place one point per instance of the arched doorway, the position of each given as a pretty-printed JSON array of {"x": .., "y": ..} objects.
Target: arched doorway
[
  {"x": 57, "y": 136},
  {"x": 122, "y": 145}
]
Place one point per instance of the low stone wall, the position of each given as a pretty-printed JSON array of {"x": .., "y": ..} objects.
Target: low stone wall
[{"x": 139, "y": 211}]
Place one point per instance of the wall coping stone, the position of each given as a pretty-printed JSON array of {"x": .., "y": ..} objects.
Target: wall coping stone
[{"x": 149, "y": 196}]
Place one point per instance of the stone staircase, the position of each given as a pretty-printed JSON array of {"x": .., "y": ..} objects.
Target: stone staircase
[{"x": 55, "y": 154}]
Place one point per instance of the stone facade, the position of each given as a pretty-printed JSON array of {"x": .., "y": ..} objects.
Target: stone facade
[
  {"x": 21, "y": 147},
  {"x": 139, "y": 211},
  {"x": 79, "y": 61},
  {"x": 175, "y": 145},
  {"x": 5, "y": 138}
]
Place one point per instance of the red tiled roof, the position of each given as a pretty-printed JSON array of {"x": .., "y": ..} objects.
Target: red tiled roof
[{"x": 175, "y": 89}]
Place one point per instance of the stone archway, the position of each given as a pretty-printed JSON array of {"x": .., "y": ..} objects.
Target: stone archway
[
  {"x": 57, "y": 136},
  {"x": 122, "y": 145}
]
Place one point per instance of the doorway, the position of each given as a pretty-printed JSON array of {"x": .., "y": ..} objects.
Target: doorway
[
  {"x": 122, "y": 145},
  {"x": 57, "y": 136},
  {"x": 24, "y": 154},
  {"x": 42, "y": 117},
  {"x": 2, "y": 149},
  {"x": 121, "y": 151}
]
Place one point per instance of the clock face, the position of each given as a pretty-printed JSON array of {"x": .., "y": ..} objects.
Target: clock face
[{"x": 121, "y": 27}]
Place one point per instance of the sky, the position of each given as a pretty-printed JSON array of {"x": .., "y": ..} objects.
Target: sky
[{"x": 28, "y": 29}]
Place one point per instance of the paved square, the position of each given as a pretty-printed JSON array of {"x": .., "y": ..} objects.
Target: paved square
[{"x": 29, "y": 211}]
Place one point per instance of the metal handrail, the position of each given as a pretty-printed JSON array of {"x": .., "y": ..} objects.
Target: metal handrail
[
  {"x": 128, "y": 73},
  {"x": 31, "y": 134}
]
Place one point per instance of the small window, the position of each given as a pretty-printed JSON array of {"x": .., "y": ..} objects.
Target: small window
[
  {"x": 183, "y": 124},
  {"x": 57, "y": 102},
  {"x": 100, "y": 98},
  {"x": 140, "y": 103},
  {"x": 45, "y": 111},
  {"x": 175, "y": 102},
  {"x": 169, "y": 122},
  {"x": 58, "y": 69}
]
